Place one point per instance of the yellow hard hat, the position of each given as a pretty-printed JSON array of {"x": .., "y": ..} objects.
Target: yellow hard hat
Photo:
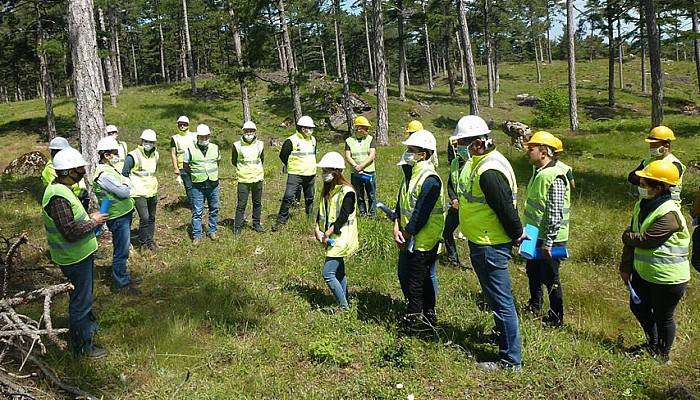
[
  {"x": 660, "y": 133},
  {"x": 662, "y": 171},
  {"x": 560, "y": 146},
  {"x": 414, "y": 126},
  {"x": 545, "y": 138},
  {"x": 361, "y": 121}
]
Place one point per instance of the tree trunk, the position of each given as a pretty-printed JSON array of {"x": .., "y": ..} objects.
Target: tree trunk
[
  {"x": 117, "y": 54},
  {"x": 370, "y": 54},
  {"x": 496, "y": 71},
  {"x": 489, "y": 52},
  {"x": 46, "y": 85},
  {"x": 402, "y": 51},
  {"x": 619, "y": 55},
  {"x": 343, "y": 68},
  {"x": 462, "y": 69},
  {"x": 534, "y": 45},
  {"x": 112, "y": 83},
  {"x": 427, "y": 50},
  {"x": 643, "y": 47},
  {"x": 88, "y": 94},
  {"x": 323, "y": 59},
  {"x": 539, "y": 45},
  {"x": 183, "y": 54},
  {"x": 471, "y": 74},
  {"x": 188, "y": 46},
  {"x": 291, "y": 67},
  {"x": 239, "y": 63},
  {"x": 380, "y": 68},
  {"x": 301, "y": 49},
  {"x": 113, "y": 51},
  {"x": 162, "y": 51},
  {"x": 549, "y": 39},
  {"x": 571, "y": 60},
  {"x": 657, "y": 84},
  {"x": 446, "y": 39},
  {"x": 134, "y": 65},
  {"x": 611, "y": 54},
  {"x": 337, "y": 45},
  {"x": 280, "y": 51},
  {"x": 696, "y": 41}
]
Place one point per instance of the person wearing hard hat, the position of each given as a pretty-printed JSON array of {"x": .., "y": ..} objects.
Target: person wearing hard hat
[
  {"x": 452, "y": 215},
  {"x": 547, "y": 208},
  {"x": 568, "y": 171},
  {"x": 202, "y": 163},
  {"x": 418, "y": 230},
  {"x": 118, "y": 162},
  {"x": 110, "y": 185},
  {"x": 298, "y": 155},
  {"x": 140, "y": 166},
  {"x": 48, "y": 174},
  {"x": 695, "y": 213},
  {"x": 336, "y": 224},
  {"x": 360, "y": 152},
  {"x": 415, "y": 126},
  {"x": 655, "y": 256},
  {"x": 179, "y": 143},
  {"x": 70, "y": 233},
  {"x": 489, "y": 219},
  {"x": 659, "y": 140},
  {"x": 248, "y": 157}
]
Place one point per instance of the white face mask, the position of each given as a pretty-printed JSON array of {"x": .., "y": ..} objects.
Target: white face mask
[
  {"x": 203, "y": 142},
  {"x": 148, "y": 146},
  {"x": 409, "y": 158},
  {"x": 656, "y": 152},
  {"x": 643, "y": 193},
  {"x": 328, "y": 177},
  {"x": 249, "y": 137},
  {"x": 307, "y": 131}
]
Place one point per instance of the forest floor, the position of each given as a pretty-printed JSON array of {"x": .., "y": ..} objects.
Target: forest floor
[{"x": 251, "y": 317}]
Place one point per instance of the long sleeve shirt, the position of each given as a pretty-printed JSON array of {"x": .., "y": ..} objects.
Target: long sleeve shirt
[
  {"x": 111, "y": 185},
  {"x": 129, "y": 163},
  {"x": 286, "y": 151},
  {"x": 346, "y": 209},
  {"x": 554, "y": 208},
  {"x": 60, "y": 211},
  {"x": 500, "y": 198}
]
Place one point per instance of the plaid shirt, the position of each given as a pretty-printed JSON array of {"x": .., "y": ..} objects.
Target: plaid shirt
[
  {"x": 554, "y": 210},
  {"x": 60, "y": 211}
]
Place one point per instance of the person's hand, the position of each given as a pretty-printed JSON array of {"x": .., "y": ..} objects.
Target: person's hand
[
  {"x": 358, "y": 168},
  {"x": 99, "y": 217},
  {"x": 178, "y": 179},
  {"x": 455, "y": 204},
  {"x": 547, "y": 253},
  {"x": 625, "y": 276},
  {"x": 177, "y": 171},
  {"x": 399, "y": 238},
  {"x": 522, "y": 238},
  {"x": 327, "y": 234},
  {"x": 319, "y": 235}
]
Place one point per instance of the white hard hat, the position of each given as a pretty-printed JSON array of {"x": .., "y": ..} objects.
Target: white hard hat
[
  {"x": 250, "y": 125},
  {"x": 68, "y": 159},
  {"x": 183, "y": 119},
  {"x": 148, "y": 135},
  {"x": 470, "y": 126},
  {"x": 58, "y": 143},
  {"x": 423, "y": 139},
  {"x": 107, "y": 143},
  {"x": 332, "y": 160},
  {"x": 111, "y": 129},
  {"x": 203, "y": 130},
  {"x": 306, "y": 122}
]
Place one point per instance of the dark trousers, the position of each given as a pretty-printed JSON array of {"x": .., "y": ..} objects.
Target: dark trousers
[
  {"x": 695, "y": 259},
  {"x": 363, "y": 187},
  {"x": 415, "y": 279},
  {"x": 146, "y": 208},
  {"x": 546, "y": 273},
  {"x": 255, "y": 189},
  {"x": 82, "y": 323},
  {"x": 451, "y": 224},
  {"x": 306, "y": 183},
  {"x": 656, "y": 311}
]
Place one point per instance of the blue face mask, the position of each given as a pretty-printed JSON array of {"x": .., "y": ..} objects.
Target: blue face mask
[{"x": 463, "y": 152}]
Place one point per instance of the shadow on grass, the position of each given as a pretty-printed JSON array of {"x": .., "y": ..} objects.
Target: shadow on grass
[
  {"x": 65, "y": 126},
  {"x": 316, "y": 297},
  {"x": 18, "y": 186}
]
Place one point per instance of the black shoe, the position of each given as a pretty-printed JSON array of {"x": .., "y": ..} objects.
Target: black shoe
[
  {"x": 93, "y": 352},
  {"x": 552, "y": 321},
  {"x": 136, "y": 280},
  {"x": 238, "y": 230},
  {"x": 277, "y": 226},
  {"x": 152, "y": 246},
  {"x": 416, "y": 324},
  {"x": 259, "y": 228},
  {"x": 431, "y": 317}
]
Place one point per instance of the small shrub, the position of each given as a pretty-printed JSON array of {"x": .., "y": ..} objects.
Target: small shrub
[
  {"x": 552, "y": 108},
  {"x": 327, "y": 350}
]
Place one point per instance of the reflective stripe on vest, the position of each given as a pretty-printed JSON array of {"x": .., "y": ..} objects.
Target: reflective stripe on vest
[
  {"x": 143, "y": 174},
  {"x": 537, "y": 198},
  {"x": 345, "y": 243},
  {"x": 302, "y": 159},
  {"x": 183, "y": 141},
  {"x": 204, "y": 167},
  {"x": 62, "y": 251},
  {"x": 431, "y": 233},
  {"x": 249, "y": 167},
  {"x": 667, "y": 264},
  {"x": 360, "y": 149},
  {"x": 119, "y": 206}
]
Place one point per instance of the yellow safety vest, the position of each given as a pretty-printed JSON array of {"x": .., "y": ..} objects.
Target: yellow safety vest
[
  {"x": 204, "y": 167},
  {"x": 345, "y": 243},
  {"x": 431, "y": 233},
  {"x": 183, "y": 141},
  {"x": 359, "y": 150},
  {"x": 118, "y": 162},
  {"x": 249, "y": 166},
  {"x": 302, "y": 160},
  {"x": 144, "y": 182}
]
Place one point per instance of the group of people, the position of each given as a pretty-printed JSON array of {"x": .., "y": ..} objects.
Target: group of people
[{"x": 480, "y": 199}]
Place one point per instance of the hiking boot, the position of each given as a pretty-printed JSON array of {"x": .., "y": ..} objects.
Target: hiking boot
[
  {"x": 152, "y": 246},
  {"x": 491, "y": 366},
  {"x": 431, "y": 317},
  {"x": 552, "y": 321},
  {"x": 259, "y": 228},
  {"x": 94, "y": 352},
  {"x": 213, "y": 236}
]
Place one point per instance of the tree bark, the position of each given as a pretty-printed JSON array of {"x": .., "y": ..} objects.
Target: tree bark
[
  {"x": 370, "y": 54},
  {"x": 380, "y": 68},
  {"x": 571, "y": 60},
  {"x": 657, "y": 84},
  {"x": 245, "y": 103},
  {"x": 696, "y": 41},
  {"x": 619, "y": 54},
  {"x": 643, "y": 47},
  {"x": 427, "y": 49},
  {"x": 162, "y": 51},
  {"x": 88, "y": 94},
  {"x": 489, "y": 52},
  {"x": 611, "y": 54},
  {"x": 134, "y": 65},
  {"x": 117, "y": 53},
  {"x": 462, "y": 68},
  {"x": 113, "y": 51},
  {"x": 535, "y": 45},
  {"x": 471, "y": 74},
  {"x": 549, "y": 39},
  {"x": 402, "y": 50},
  {"x": 108, "y": 63},
  {"x": 446, "y": 39},
  {"x": 280, "y": 50},
  {"x": 337, "y": 45},
  {"x": 46, "y": 85},
  {"x": 291, "y": 67},
  {"x": 343, "y": 67},
  {"x": 188, "y": 47},
  {"x": 323, "y": 58}
]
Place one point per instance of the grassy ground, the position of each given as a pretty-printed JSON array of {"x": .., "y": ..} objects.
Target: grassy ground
[{"x": 250, "y": 317}]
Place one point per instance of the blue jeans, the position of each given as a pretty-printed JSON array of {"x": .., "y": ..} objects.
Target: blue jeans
[
  {"x": 121, "y": 240},
  {"x": 491, "y": 266},
  {"x": 82, "y": 323},
  {"x": 363, "y": 186},
  {"x": 187, "y": 183},
  {"x": 208, "y": 191},
  {"x": 334, "y": 275}
]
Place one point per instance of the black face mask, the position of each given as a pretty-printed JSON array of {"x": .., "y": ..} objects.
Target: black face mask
[{"x": 79, "y": 176}]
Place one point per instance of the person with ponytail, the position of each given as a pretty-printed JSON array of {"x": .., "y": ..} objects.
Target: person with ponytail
[{"x": 336, "y": 224}]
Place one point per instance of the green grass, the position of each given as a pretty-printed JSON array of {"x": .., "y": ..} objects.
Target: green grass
[{"x": 250, "y": 317}]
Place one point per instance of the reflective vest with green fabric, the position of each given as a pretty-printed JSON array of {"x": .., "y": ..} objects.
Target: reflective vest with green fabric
[
  {"x": 537, "y": 197},
  {"x": 183, "y": 141},
  {"x": 477, "y": 221},
  {"x": 667, "y": 264},
  {"x": 118, "y": 162},
  {"x": 359, "y": 150},
  {"x": 675, "y": 190},
  {"x": 204, "y": 167},
  {"x": 144, "y": 182},
  {"x": 48, "y": 174},
  {"x": 119, "y": 207},
  {"x": 345, "y": 243},
  {"x": 302, "y": 159},
  {"x": 431, "y": 233},
  {"x": 62, "y": 251},
  {"x": 249, "y": 166}
]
